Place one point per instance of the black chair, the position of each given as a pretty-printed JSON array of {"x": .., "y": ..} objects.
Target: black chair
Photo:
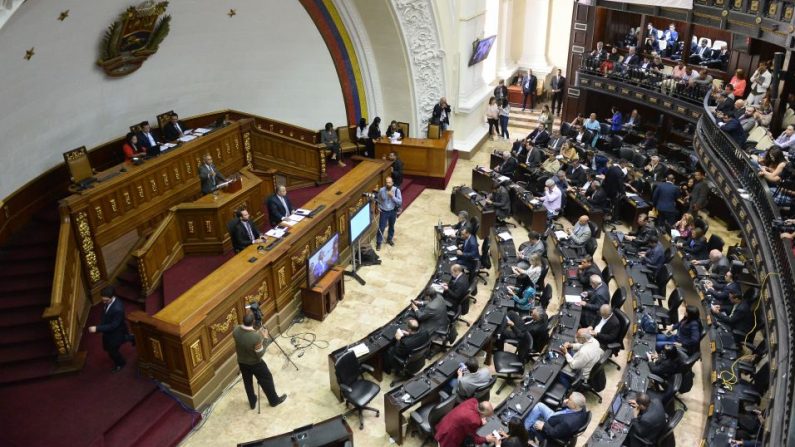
[
  {"x": 715, "y": 242},
  {"x": 542, "y": 277},
  {"x": 661, "y": 278},
  {"x": 463, "y": 308},
  {"x": 618, "y": 299},
  {"x": 667, "y": 438},
  {"x": 596, "y": 232},
  {"x": 510, "y": 366},
  {"x": 670, "y": 253},
  {"x": 571, "y": 442},
  {"x": 484, "y": 261},
  {"x": 616, "y": 347},
  {"x": 670, "y": 315},
  {"x": 688, "y": 376},
  {"x": 483, "y": 393},
  {"x": 443, "y": 339},
  {"x": 597, "y": 380},
  {"x": 412, "y": 364},
  {"x": 474, "y": 225},
  {"x": 356, "y": 391},
  {"x": 546, "y": 296},
  {"x": 428, "y": 416},
  {"x": 607, "y": 275}
]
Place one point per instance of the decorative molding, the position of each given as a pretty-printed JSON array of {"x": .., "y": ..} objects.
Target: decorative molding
[
  {"x": 87, "y": 246},
  {"x": 157, "y": 350},
  {"x": 321, "y": 239},
  {"x": 426, "y": 57},
  {"x": 223, "y": 327},
  {"x": 59, "y": 336},
  {"x": 196, "y": 352}
]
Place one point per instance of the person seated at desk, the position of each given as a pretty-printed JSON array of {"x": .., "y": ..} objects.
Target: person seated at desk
[
  {"x": 569, "y": 152},
  {"x": 720, "y": 291},
  {"x": 686, "y": 333},
  {"x": 394, "y": 132},
  {"x": 593, "y": 301},
  {"x": 654, "y": 257},
  {"x": 455, "y": 292},
  {"x": 362, "y": 138},
  {"x": 519, "y": 149},
  {"x": 131, "y": 148},
  {"x": 538, "y": 327},
  {"x": 587, "y": 353},
  {"x": 514, "y": 328},
  {"x": 468, "y": 379},
  {"x": 649, "y": 422},
  {"x": 581, "y": 135},
  {"x": 516, "y": 436},
  {"x": 524, "y": 297},
  {"x": 463, "y": 422},
  {"x": 431, "y": 312},
  {"x": 655, "y": 170},
  {"x": 539, "y": 137},
  {"x": 551, "y": 165},
  {"x": 576, "y": 174},
  {"x": 551, "y": 198},
  {"x": 329, "y": 137},
  {"x": 500, "y": 199},
  {"x": 469, "y": 254},
  {"x": 544, "y": 423},
  {"x": 534, "y": 245},
  {"x": 696, "y": 246},
  {"x": 245, "y": 232},
  {"x": 581, "y": 232},
  {"x": 664, "y": 198},
  {"x": 556, "y": 141},
  {"x": 279, "y": 206},
  {"x": 633, "y": 121},
  {"x": 533, "y": 156},
  {"x": 717, "y": 264},
  {"x": 406, "y": 341},
  {"x": 508, "y": 165},
  {"x": 585, "y": 270},
  {"x": 740, "y": 318},
  {"x": 667, "y": 363},
  {"x": 649, "y": 142},
  {"x": 598, "y": 197},
  {"x": 607, "y": 330},
  {"x": 147, "y": 139},
  {"x": 644, "y": 232},
  {"x": 174, "y": 128},
  {"x": 685, "y": 226},
  {"x": 209, "y": 175}
]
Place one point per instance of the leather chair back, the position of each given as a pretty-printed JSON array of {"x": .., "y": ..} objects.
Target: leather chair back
[{"x": 78, "y": 164}]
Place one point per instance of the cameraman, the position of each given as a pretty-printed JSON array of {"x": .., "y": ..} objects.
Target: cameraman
[
  {"x": 389, "y": 200},
  {"x": 250, "y": 347}
]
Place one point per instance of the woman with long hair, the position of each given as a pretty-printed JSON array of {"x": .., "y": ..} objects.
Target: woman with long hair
[
  {"x": 492, "y": 117},
  {"x": 686, "y": 333},
  {"x": 505, "y": 111},
  {"x": 361, "y": 133},
  {"x": 131, "y": 148},
  {"x": 373, "y": 133}
]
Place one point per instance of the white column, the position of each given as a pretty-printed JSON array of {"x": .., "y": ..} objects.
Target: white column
[
  {"x": 505, "y": 65},
  {"x": 534, "y": 39}
]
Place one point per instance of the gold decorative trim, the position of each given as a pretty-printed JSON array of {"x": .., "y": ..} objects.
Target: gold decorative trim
[
  {"x": 208, "y": 225},
  {"x": 188, "y": 168},
  {"x": 87, "y": 246},
  {"x": 176, "y": 173},
  {"x": 142, "y": 274},
  {"x": 98, "y": 212},
  {"x": 196, "y": 352},
  {"x": 58, "y": 336},
  {"x": 191, "y": 229},
  {"x": 113, "y": 205},
  {"x": 282, "y": 277},
  {"x": 140, "y": 191},
  {"x": 153, "y": 184},
  {"x": 321, "y": 239},
  {"x": 157, "y": 349},
  {"x": 222, "y": 328},
  {"x": 341, "y": 223},
  {"x": 299, "y": 259},
  {"x": 165, "y": 179},
  {"x": 218, "y": 153},
  {"x": 127, "y": 199},
  {"x": 247, "y": 146}
]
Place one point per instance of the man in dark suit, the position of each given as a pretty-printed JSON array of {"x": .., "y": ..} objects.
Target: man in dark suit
[
  {"x": 538, "y": 327},
  {"x": 556, "y": 141},
  {"x": 431, "y": 312},
  {"x": 279, "y": 206},
  {"x": 585, "y": 270},
  {"x": 649, "y": 422},
  {"x": 406, "y": 341},
  {"x": 700, "y": 53},
  {"x": 576, "y": 174},
  {"x": 734, "y": 129},
  {"x": 113, "y": 328},
  {"x": 246, "y": 232},
  {"x": 631, "y": 59},
  {"x": 699, "y": 196},
  {"x": 650, "y": 142},
  {"x": 174, "y": 129},
  {"x": 209, "y": 175},
  {"x": 644, "y": 232},
  {"x": 501, "y": 201},
  {"x": 508, "y": 166},
  {"x": 738, "y": 317},
  {"x": 614, "y": 181},
  {"x": 655, "y": 169},
  {"x": 534, "y": 157},
  {"x": 608, "y": 328},
  {"x": 528, "y": 83},
  {"x": 654, "y": 257},
  {"x": 539, "y": 137},
  {"x": 147, "y": 140},
  {"x": 597, "y": 198},
  {"x": 441, "y": 114},
  {"x": 519, "y": 149},
  {"x": 469, "y": 252},
  {"x": 545, "y": 423},
  {"x": 696, "y": 246},
  {"x": 664, "y": 198},
  {"x": 599, "y": 295},
  {"x": 456, "y": 290},
  {"x": 558, "y": 85},
  {"x": 721, "y": 292}
]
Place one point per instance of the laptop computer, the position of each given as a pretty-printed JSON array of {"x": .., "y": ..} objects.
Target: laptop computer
[
  {"x": 478, "y": 338},
  {"x": 542, "y": 373}
]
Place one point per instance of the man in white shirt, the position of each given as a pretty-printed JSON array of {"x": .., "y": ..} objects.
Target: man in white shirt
[
  {"x": 760, "y": 82},
  {"x": 551, "y": 199},
  {"x": 586, "y": 356},
  {"x": 471, "y": 377},
  {"x": 786, "y": 141},
  {"x": 581, "y": 231}
]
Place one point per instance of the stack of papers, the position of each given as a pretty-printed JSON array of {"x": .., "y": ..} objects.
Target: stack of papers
[
  {"x": 573, "y": 298},
  {"x": 166, "y": 146},
  {"x": 302, "y": 212},
  {"x": 631, "y": 195},
  {"x": 561, "y": 235},
  {"x": 451, "y": 248},
  {"x": 448, "y": 231},
  {"x": 503, "y": 178},
  {"x": 360, "y": 350},
  {"x": 200, "y": 130},
  {"x": 288, "y": 222},
  {"x": 187, "y": 138},
  {"x": 295, "y": 217},
  {"x": 485, "y": 169},
  {"x": 505, "y": 236},
  {"x": 276, "y": 232},
  {"x": 675, "y": 233},
  {"x": 535, "y": 202}
]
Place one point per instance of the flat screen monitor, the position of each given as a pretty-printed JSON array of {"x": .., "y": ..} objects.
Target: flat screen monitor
[
  {"x": 323, "y": 259},
  {"x": 360, "y": 222},
  {"x": 480, "y": 49}
]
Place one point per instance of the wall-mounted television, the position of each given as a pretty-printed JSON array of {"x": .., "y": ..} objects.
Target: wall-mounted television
[
  {"x": 360, "y": 222},
  {"x": 323, "y": 259},
  {"x": 480, "y": 49}
]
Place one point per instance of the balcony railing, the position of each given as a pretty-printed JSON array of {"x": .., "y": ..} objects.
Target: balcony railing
[{"x": 751, "y": 202}]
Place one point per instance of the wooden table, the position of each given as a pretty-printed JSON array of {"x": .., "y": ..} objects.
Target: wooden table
[{"x": 422, "y": 157}]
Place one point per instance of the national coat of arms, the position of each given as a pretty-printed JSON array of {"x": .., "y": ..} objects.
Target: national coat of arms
[{"x": 132, "y": 38}]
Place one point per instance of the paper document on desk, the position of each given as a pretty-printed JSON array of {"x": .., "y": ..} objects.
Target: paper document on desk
[
  {"x": 451, "y": 248},
  {"x": 448, "y": 231},
  {"x": 187, "y": 138},
  {"x": 275, "y": 232},
  {"x": 573, "y": 298},
  {"x": 200, "y": 130},
  {"x": 166, "y": 146},
  {"x": 295, "y": 217},
  {"x": 535, "y": 202},
  {"x": 302, "y": 212},
  {"x": 505, "y": 236},
  {"x": 561, "y": 235},
  {"x": 631, "y": 195},
  {"x": 503, "y": 178},
  {"x": 675, "y": 233},
  {"x": 485, "y": 169},
  {"x": 288, "y": 222},
  {"x": 360, "y": 350}
]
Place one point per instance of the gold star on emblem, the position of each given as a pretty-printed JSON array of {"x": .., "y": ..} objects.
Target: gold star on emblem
[
  {"x": 29, "y": 53},
  {"x": 232, "y": 13},
  {"x": 63, "y": 15}
]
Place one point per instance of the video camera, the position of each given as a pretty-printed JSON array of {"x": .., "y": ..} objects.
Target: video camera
[{"x": 257, "y": 312}]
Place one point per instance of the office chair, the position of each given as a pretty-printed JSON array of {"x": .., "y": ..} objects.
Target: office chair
[
  {"x": 670, "y": 253},
  {"x": 618, "y": 299},
  {"x": 428, "y": 416},
  {"x": 412, "y": 364},
  {"x": 607, "y": 275},
  {"x": 715, "y": 242},
  {"x": 540, "y": 284},
  {"x": 597, "y": 381},
  {"x": 616, "y": 347},
  {"x": 661, "y": 278},
  {"x": 356, "y": 391},
  {"x": 571, "y": 442},
  {"x": 483, "y": 393},
  {"x": 670, "y": 315},
  {"x": 510, "y": 366},
  {"x": 546, "y": 296},
  {"x": 483, "y": 273},
  {"x": 667, "y": 438}
]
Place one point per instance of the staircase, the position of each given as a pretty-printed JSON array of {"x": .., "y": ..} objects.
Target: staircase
[
  {"x": 527, "y": 120},
  {"x": 128, "y": 288},
  {"x": 27, "y": 263}
]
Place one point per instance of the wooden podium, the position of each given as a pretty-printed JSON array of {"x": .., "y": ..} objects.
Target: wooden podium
[{"x": 318, "y": 301}]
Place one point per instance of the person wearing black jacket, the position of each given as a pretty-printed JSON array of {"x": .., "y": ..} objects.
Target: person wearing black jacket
[
  {"x": 245, "y": 232},
  {"x": 397, "y": 168},
  {"x": 644, "y": 232},
  {"x": 722, "y": 291},
  {"x": 373, "y": 133},
  {"x": 739, "y": 318},
  {"x": 585, "y": 270},
  {"x": 501, "y": 91},
  {"x": 501, "y": 201},
  {"x": 598, "y": 198},
  {"x": 649, "y": 422},
  {"x": 576, "y": 174},
  {"x": 456, "y": 290},
  {"x": 174, "y": 128},
  {"x": 539, "y": 137},
  {"x": 534, "y": 156},
  {"x": 406, "y": 341},
  {"x": 667, "y": 363},
  {"x": 599, "y": 295},
  {"x": 696, "y": 246},
  {"x": 112, "y": 326},
  {"x": 699, "y": 195},
  {"x": 608, "y": 328},
  {"x": 441, "y": 114},
  {"x": 431, "y": 312},
  {"x": 614, "y": 181},
  {"x": 508, "y": 166},
  {"x": 538, "y": 327},
  {"x": 562, "y": 425}
]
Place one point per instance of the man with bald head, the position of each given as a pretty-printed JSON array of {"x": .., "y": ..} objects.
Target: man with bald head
[
  {"x": 587, "y": 353},
  {"x": 456, "y": 290},
  {"x": 717, "y": 264},
  {"x": 581, "y": 232},
  {"x": 544, "y": 423},
  {"x": 279, "y": 206},
  {"x": 608, "y": 329},
  {"x": 463, "y": 422},
  {"x": 508, "y": 165}
]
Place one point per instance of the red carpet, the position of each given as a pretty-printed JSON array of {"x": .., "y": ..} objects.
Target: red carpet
[
  {"x": 94, "y": 407},
  {"x": 184, "y": 274}
]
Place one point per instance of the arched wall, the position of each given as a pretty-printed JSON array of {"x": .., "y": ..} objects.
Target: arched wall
[{"x": 268, "y": 59}]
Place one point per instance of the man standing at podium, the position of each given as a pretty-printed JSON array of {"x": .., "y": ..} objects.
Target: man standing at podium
[
  {"x": 250, "y": 347},
  {"x": 210, "y": 175}
]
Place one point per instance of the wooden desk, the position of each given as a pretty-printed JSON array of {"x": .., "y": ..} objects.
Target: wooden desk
[
  {"x": 333, "y": 432},
  {"x": 460, "y": 201},
  {"x": 188, "y": 344},
  {"x": 423, "y": 157},
  {"x": 576, "y": 206}
]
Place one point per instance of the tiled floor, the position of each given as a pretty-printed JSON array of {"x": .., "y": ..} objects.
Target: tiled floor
[{"x": 406, "y": 268}]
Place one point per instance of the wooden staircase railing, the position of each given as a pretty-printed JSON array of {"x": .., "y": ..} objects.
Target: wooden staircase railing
[{"x": 162, "y": 250}]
